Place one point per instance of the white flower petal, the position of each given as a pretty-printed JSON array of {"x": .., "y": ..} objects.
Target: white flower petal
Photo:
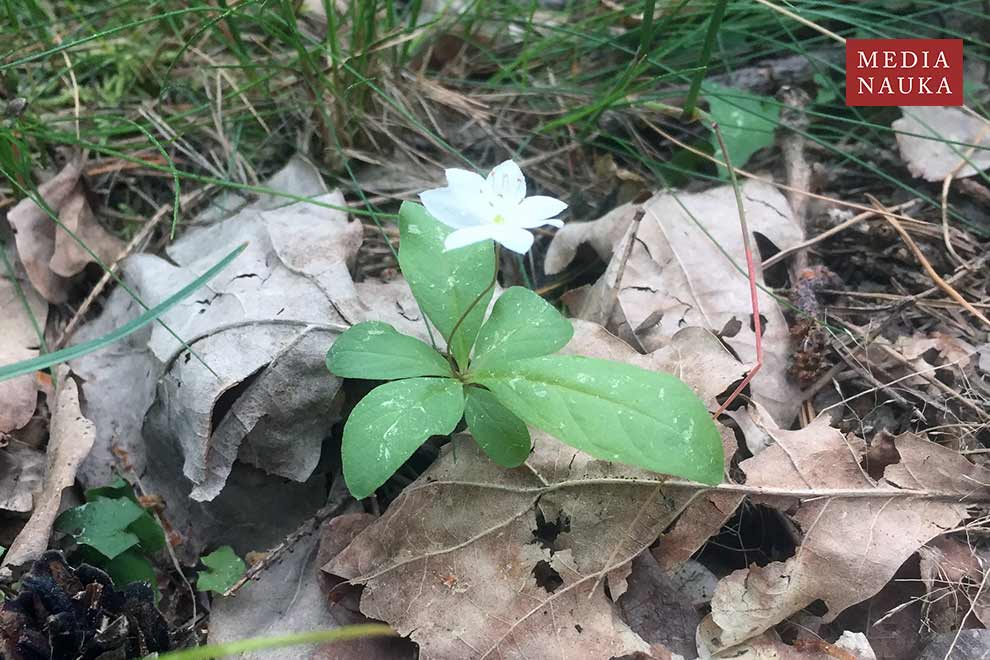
[
  {"x": 450, "y": 207},
  {"x": 466, "y": 183},
  {"x": 534, "y": 211},
  {"x": 468, "y": 236},
  {"x": 513, "y": 238},
  {"x": 507, "y": 181}
]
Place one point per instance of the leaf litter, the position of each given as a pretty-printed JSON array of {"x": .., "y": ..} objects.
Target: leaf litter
[{"x": 566, "y": 555}]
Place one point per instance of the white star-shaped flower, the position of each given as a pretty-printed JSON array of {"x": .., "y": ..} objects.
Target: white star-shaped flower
[{"x": 491, "y": 208}]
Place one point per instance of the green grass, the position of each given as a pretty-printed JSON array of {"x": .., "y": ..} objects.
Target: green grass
[{"x": 220, "y": 93}]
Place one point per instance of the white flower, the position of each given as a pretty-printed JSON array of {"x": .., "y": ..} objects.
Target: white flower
[{"x": 494, "y": 208}]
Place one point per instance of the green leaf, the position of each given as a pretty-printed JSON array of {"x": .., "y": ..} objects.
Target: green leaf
[
  {"x": 115, "y": 489},
  {"x": 391, "y": 422},
  {"x": 150, "y": 534},
  {"x": 225, "y": 569},
  {"x": 73, "y": 352},
  {"x": 129, "y": 566},
  {"x": 376, "y": 351},
  {"x": 102, "y": 525},
  {"x": 502, "y": 435},
  {"x": 747, "y": 122},
  {"x": 521, "y": 325},
  {"x": 445, "y": 283},
  {"x": 613, "y": 411}
]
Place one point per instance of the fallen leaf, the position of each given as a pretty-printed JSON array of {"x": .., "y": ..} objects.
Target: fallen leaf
[
  {"x": 952, "y": 573},
  {"x": 676, "y": 276},
  {"x": 657, "y": 609},
  {"x": 473, "y": 559},
  {"x": 960, "y": 645},
  {"x": 22, "y": 471},
  {"x": 71, "y": 438},
  {"x": 289, "y": 598},
  {"x": 851, "y": 546},
  {"x": 51, "y": 256},
  {"x": 924, "y": 135},
  {"x": 247, "y": 438},
  {"x": 18, "y": 396}
]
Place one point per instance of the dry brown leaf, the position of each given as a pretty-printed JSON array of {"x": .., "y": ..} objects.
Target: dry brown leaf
[
  {"x": 473, "y": 560},
  {"x": 71, "y": 438},
  {"x": 18, "y": 396},
  {"x": 22, "y": 471},
  {"x": 923, "y": 137},
  {"x": 50, "y": 255},
  {"x": 676, "y": 276},
  {"x": 851, "y": 546},
  {"x": 952, "y": 573}
]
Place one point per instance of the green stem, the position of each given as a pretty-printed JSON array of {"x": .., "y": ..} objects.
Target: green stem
[
  {"x": 474, "y": 303},
  {"x": 706, "y": 55}
]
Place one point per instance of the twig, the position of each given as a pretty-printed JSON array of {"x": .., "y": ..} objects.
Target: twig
[
  {"x": 855, "y": 220},
  {"x": 941, "y": 283},
  {"x": 751, "y": 271},
  {"x": 333, "y": 507}
]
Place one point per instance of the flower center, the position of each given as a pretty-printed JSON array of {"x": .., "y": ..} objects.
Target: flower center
[{"x": 498, "y": 219}]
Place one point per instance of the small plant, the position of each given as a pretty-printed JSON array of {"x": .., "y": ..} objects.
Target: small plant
[
  {"x": 501, "y": 374},
  {"x": 115, "y": 533},
  {"x": 223, "y": 569}
]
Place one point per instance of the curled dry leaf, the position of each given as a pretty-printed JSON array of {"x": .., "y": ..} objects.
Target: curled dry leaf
[
  {"x": 925, "y": 137},
  {"x": 851, "y": 546},
  {"x": 50, "y": 254},
  {"x": 223, "y": 447},
  {"x": 473, "y": 560},
  {"x": 71, "y": 438},
  {"x": 18, "y": 396},
  {"x": 677, "y": 276}
]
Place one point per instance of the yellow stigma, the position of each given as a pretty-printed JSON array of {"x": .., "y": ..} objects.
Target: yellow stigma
[{"x": 498, "y": 220}]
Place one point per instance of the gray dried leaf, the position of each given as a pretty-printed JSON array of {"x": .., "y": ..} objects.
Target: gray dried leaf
[
  {"x": 925, "y": 136},
  {"x": 677, "y": 276}
]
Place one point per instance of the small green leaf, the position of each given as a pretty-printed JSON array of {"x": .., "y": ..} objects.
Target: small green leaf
[
  {"x": 150, "y": 534},
  {"x": 225, "y": 569},
  {"x": 115, "y": 489},
  {"x": 102, "y": 525},
  {"x": 129, "y": 566},
  {"x": 613, "y": 411},
  {"x": 747, "y": 122},
  {"x": 376, "y": 351},
  {"x": 391, "y": 422},
  {"x": 521, "y": 325},
  {"x": 445, "y": 283},
  {"x": 502, "y": 435}
]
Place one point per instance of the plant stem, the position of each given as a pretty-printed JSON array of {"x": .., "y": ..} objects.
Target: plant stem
[
  {"x": 706, "y": 55},
  {"x": 474, "y": 303}
]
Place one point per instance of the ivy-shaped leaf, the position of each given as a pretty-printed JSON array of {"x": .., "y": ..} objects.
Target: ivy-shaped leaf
[
  {"x": 521, "y": 325},
  {"x": 391, "y": 422},
  {"x": 445, "y": 283},
  {"x": 102, "y": 524},
  {"x": 225, "y": 568},
  {"x": 613, "y": 411},
  {"x": 376, "y": 351}
]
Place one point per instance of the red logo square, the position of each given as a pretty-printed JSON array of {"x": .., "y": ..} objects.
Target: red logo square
[{"x": 904, "y": 72}]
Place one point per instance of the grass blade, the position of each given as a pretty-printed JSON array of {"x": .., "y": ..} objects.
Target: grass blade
[
  {"x": 73, "y": 352},
  {"x": 258, "y": 643}
]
